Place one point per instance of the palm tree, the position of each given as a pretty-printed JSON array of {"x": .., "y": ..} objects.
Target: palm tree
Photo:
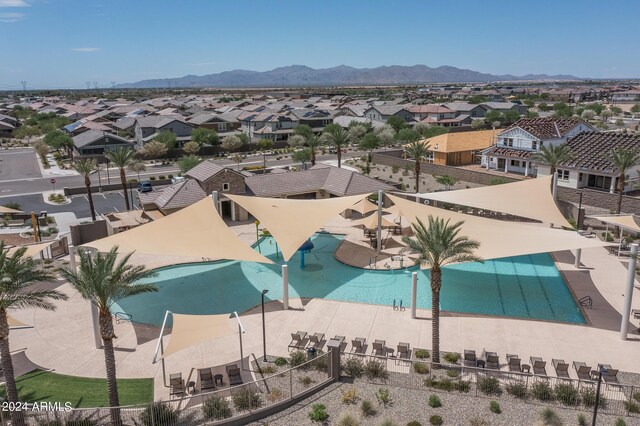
[
  {"x": 335, "y": 135},
  {"x": 86, "y": 167},
  {"x": 417, "y": 150},
  {"x": 17, "y": 273},
  {"x": 623, "y": 160},
  {"x": 552, "y": 156},
  {"x": 438, "y": 245},
  {"x": 102, "y": 279},
  {"x": 122, "y": 157},
  {"x": 312, "y": 140}
]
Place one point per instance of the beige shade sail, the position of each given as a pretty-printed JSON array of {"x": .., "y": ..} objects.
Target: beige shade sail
[
  {"x": 500, "y": 238},
  {"x": 529, "y": 198},
  {"x": 371, "y": 222},
  {"x": 291, "y": 221},
  {"x": 14, "y": 323},
  {"x": 626, "y": 222},
  {"x": 190, "y": 330},
  {"x": 195, "y": 232},
  {"x": 32, "y": 249},
  {"x": 364, "y": 206},
  {"x": 7, "y": 210}
]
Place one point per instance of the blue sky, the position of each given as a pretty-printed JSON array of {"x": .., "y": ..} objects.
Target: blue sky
[{"x": 64, "y": 43}]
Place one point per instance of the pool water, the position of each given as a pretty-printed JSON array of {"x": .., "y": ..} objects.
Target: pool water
[{"x": 524, "y": 286}]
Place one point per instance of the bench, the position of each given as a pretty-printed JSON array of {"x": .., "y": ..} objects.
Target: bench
[{"x": 15, "y": 223}]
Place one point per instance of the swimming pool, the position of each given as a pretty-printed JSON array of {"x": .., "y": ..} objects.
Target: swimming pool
[{"x": 523, "y": 286}]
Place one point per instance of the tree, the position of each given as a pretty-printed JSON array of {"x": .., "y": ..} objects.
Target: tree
[
  {"x": 296, "y": 140},
  {"x": 103, "y": 280},
  {"x": 188, "y": 162},
  {"x": 17, "y": 274},
  {"x": 477, "y": 124},
  {"x": 511, "y": 116},
  {"x": 311, "y": 138},
  {"x": 122, "y": 157},
  {"x": 588, "y": 114},
  {"x": 615, "y": 110},
  {"x": 357, "y": 132},
  {"x": 154, "y": 149},
  {"x": 595, "y": 107},
  {"x": 552, "y": 156},
  {"x": 367, "y": 124},
  {"x": 58, "y": 140},
  {"x": 529, "y": 102},
  {"x": 543, "y": 106},
  {"x": 335, "y": 135},
  {"x": 137, "y": 167},
  {"x": 302, "y": 156},
  {"x": 244, "y": 138},
  {"x": 386, "y": 135},
  {"x": 623, "y": 160},
  {"x": 168, "y": 138},
  {"x": 237, "y": 158},
  {"x": 86, "y": 167},
  {"x": 191, "y": 147},
  {"x": 635, "y": 109},
  {"x": 204, "y": 136},
  {"x": 447, "y": 181},
  {"x": 407, "y": 136},
  {"x": 231, "y": 143},
  {"x": 562, "y": 110},
  {"x": 397, "y": 123},
  {"x": 477, "y": 99},
  {"x": 368, "y": 143},
  {"x": 417, "y": 150},
  {"x": 494, "y": 115},
  {"x": 606, "y": 114},
  {"x": 422, "y": 128},
  {"x": 437, "y": 245},
  {"x": 531, "y": 114}
]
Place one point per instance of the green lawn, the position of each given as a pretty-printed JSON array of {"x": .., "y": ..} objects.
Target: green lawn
[{"x": 82, "y": 392}]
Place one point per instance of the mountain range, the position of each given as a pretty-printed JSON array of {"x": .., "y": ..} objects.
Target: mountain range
[{"x": 303, "y": 76}]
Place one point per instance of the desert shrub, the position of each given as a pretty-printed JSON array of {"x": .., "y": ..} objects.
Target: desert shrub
[
  {"x": 268, "y": 369},
  {"x": 384, "y": 397},
  {"x": 306, "y": 381},
  {"x": 349, "y": 396},
  {"x": 162, "y": 177},
  {"x": 280, "y": 361},
  {"x": 636, "y": 396},
  {"x": 620, "y": 422},
  {"x": 435, "y": 420},
  {"x": 517, "y": 389},
  {"x": 452, "y": 357},
  {"x": 216, "y": 408},
  {"x": 448, "y": 385},
  {"x": 434, "y": 401},
  {"x": 453, "y": 373},
  {"x": 319, "y": 413},
  {"x": 395, "y": 169},
  {"x": 244, "y": 399},
  {"x": 582, "y": 419},
  {"x": 366, "y": 408},
  {"x": 159, "y": 412},
  {"x": 495, "y": 407},
  {"x": 375, "y": 370},
  {"x": 588, "y": 398},
  {"x": 414, "y": 423},
  {"x": 542, "y": 391},
  {"x": 388, "y": 422},
  {"x": 353, "y": 367},
  {"x": 566, "y": 393},
  {"x": 477, "y": 422},
  {"x": 489, "y": 385},
  {"x": 548, "y": 417},
  {"x": 421, "y": 353},
  {"x": 275, "y": 395},
  {"x": 347, "y": 419},
  {"x": 420, "y": 368},
  {"x": 297, "y": 358},
  {"x": 632, "y": 406},
  {"x": 152, "y": 178},
  {"x": 320, "y": 363}
]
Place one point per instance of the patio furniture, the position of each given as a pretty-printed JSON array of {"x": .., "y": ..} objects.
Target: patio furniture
[
  {"x": 297, "y": 339},
  {"x": 481, "y": 363},
  {"x": 176, "y": 384},
  {"x": 526, "y": 368},
  {"x": 470, "y": 359},
  {"x": 609, "y": 375},
  {"x": 404, "y": 350},
  {"x": 538, "y": 366},
  {"x": 513, "y": 361},
  {"x": 588, "y": 233},
  {"x": 218, "y": 379},
  {"x": 379, "y": 348},
  {"x": 358, "y": 345},
  {"x": 341, "y": 342},
  {"x": 191, "y": 387},
  {"x": 582, "y": 370},
  {"x": 493, "y": 361},
  {"x": 206, "y": 379},
  {"x": 233, "y": 372},
  {"x": 561, "y": 367},
  {"x": 316, "y": 339}
]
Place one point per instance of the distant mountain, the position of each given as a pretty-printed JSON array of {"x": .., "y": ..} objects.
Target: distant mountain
[{"x": 303, "y": 76}]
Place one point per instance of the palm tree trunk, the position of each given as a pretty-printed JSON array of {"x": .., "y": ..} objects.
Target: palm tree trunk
[
  {"x": 87, "y": 183},
  {"x": 417, "y": 173},
  {"x": 436, "y": 283},
  {"x": 107, "y": 333},
  {"x": 17, "y": 417},
  {"x": 339, "y": 155},
  {"x": 123, "y": 180},
  {"x": 621, "y": 185},
  {"x": 313, "y": 156}
]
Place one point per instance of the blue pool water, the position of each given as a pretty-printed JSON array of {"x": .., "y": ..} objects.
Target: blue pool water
[{"x": 523, "y": 286}]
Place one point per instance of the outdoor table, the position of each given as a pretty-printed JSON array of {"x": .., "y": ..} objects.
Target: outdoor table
[
  {"x": 481, "y": 363},
  {"x": 526, "y": 368},
  {"x": 218, "y": 379},
  {"x": 192, "y": 386}
]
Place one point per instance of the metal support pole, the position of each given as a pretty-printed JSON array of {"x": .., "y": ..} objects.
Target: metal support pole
[
  {"x": 628, "y": 293},
  {"x": 285, "y": 286},
  {"x": 578, "y": 255},
  {"x": 240, "y": 332},
  {"x": 264, "y": 330},
  {"x": 72, "y": 259},
  {"x": 379, "y": 234},
  {"x": 414, "y": 293},
  {"x": 595, "y": 406},
  {"x": 95, "y": 319},
  {"x": 620, "y": 242},
  {"x": 164, "y": 370},
  {"x": 214, "y": 197}
]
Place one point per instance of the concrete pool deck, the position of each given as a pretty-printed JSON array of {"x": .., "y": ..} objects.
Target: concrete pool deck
[{"x": 63, "y": 341}]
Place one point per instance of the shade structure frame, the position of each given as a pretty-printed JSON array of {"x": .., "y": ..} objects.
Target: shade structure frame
[{"x": 624, "y": 221}]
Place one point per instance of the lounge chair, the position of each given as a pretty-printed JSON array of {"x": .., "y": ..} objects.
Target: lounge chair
[
  {"x": 206, "y": 379},
  {"x": 561, "y": 367},
  {"x": 404, "y": 350},
  {"x": 176, "y": 384},
  {"x": 538, "y": 366},
  {"x": 358, "y": 345},
  {"x": 341, "y": 340},
  {"x": 493, "y": 361},
  {"x": 514, "y": 362},
  {"x": 609, "y": 375},
  {"x": 588, "y": 233},
  {"x": 582, "y": 370},
  {"x": 379, "y": 348},
  {"x": 316, "y": 340},
  {"x": 233, "y": 372},
  {"x": 297, "y": 339},
  {"x": 470, "y": 359}
]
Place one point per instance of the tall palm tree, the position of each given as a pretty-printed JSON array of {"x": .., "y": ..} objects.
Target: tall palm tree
[
  {"x": 552, "y": 156},
  {"x": 417, "y": 150},
  {"x": 86, "y": 167},
  {"x": 122, "y": 157},
  {"x": 311, "y": 139},
  {"x": 623, "y": 160},
  {"x": 102, "y": 279},
  {"x": 437, "y": 245},
  {"x": 335, "y": 135},
  {"x": 17, "y": 273}
]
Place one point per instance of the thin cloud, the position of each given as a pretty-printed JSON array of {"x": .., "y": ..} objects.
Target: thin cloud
[
  {"x": 85, "y": 49},
  {"x": 13, "y": 3},
  {"x": 11, "y": 17}
]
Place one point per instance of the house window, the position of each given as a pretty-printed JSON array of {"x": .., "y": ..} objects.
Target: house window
[
  {"x": 507, "y": 141},
  {"x": 563, "y": 175},
  {"x": 534, "y": 145},
  {"x": 222, "y": 127},
  {"x": 515, "y": 163},
  {"x": 429, "y": 157},
  {"x": 599, "y": 182},
  {"x": 226, "y": 186},
  {"x": 580, "y": 177}
]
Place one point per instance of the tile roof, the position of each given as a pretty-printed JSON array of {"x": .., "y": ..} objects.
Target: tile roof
[
  {"x": 546, "y": 127},
  {"x": 91, "y": 136},
  {"x": 207, "y": 169},
  {"x": 158, "y": 121},
  {"x": 508, "y": 152},
  {"x": 429, "y": 109},
  {"x": 592, "y": 150},
  {"x": 179, "y": 195}
]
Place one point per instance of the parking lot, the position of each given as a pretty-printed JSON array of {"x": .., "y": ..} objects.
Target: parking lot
[{"x": 19, "y": 164}]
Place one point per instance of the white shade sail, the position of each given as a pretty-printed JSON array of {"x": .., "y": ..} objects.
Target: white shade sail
[
  {"x": 529, "y": 198},
  {"x": 291, "y": 221},
  {"x": 195, "y": 232},
  {"x": 500, "y": 238},
  {"x": 190, "y": 330},
  {"x": 626, "y": 222}
]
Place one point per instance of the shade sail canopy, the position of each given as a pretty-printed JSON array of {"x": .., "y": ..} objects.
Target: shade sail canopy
[
  {"x": 364, "y": 206},
  {"x": 499, "y": 238},
  {"x": 7, "y": 210},
  {"x": 291, "y": 221},
  {"x": 32, "y": 249},
  {"x": 14, "y": 323},
  {"x": 190, "y": 330},
  {"x": 626, "y": 222},
  {"x": 529, "y": 198},
  {"x": 372, "y": 222},
  {"x": 196, "y": 231}
]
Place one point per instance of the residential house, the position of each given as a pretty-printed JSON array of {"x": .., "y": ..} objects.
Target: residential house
[
  {"x": 95, "y": 142},
  {"x": 625, "y": 96},
  {"x": 147, "y": 127},
  {"x": 317, "y": 119},
  {"x": 173, "y": 197},
  {"x": 384, "y": 112},
  {"x": 7, "y": 125},
  {"x": 465, "y": 108},
  {"x": 432, "y": 112},
  {"x": 459, "y": 148},
  {"x": 505, "y": 106},
  {"x": 224, "y": 124}
]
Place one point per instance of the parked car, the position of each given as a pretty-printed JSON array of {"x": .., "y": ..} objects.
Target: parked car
[
  {"x": 177, "y": 179},
  {"x": 145, "y": 186}
]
